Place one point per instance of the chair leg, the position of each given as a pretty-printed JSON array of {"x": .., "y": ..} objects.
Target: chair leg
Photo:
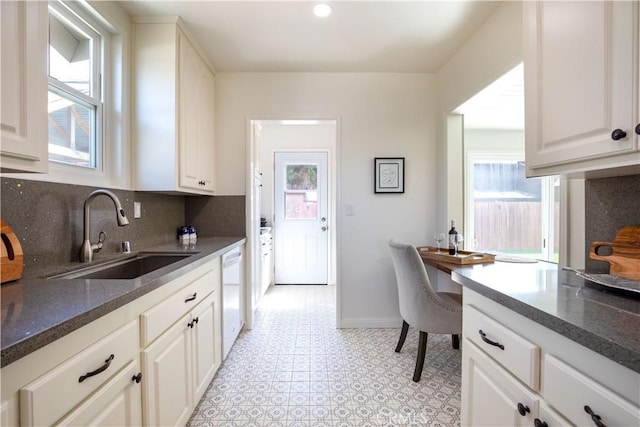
[
  {"x": 403, "y": 336},
  {"x": 455, "y": 341},
  {"x": 422, "y": 351}
]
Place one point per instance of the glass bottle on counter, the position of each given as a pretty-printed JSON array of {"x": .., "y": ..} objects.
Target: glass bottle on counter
[{"x": 453, "y": 238}]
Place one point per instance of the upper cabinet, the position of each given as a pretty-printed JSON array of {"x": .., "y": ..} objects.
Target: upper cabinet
[
  {"x": 24, "y": 86},
  {"x": 174, "y": 110},
  {"x": 581, "y": 87}
]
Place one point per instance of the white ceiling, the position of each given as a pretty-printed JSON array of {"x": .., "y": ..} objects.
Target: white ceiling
[
  {"x": 359, "y": 36},
  {"x": 417, "y": 36}
]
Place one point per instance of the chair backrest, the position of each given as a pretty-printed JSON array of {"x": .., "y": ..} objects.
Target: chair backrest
[{"x": 420, "y": 305}]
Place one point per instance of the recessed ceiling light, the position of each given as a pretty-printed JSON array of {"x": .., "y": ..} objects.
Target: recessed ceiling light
[{"x": 322, "y": 10}]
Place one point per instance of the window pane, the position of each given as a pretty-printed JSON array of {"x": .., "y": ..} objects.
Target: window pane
[
  {"x": 301, "y": 205},
  {"x": 302, "y": 177},
  {"x": 71, "y": 131},
  {"x": 507, "y": 209},
  {"x": 69, "y": 55}
]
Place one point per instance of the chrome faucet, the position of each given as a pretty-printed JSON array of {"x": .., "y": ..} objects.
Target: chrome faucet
[{"x": 88, "y": 248}]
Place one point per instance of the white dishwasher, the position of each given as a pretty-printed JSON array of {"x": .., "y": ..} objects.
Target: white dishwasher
[{"x": 231, "y": 297}]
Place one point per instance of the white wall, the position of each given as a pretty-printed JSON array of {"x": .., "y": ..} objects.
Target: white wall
[
  {"x": 492, "y": 51},
  {"x": 380, "y": 115}
]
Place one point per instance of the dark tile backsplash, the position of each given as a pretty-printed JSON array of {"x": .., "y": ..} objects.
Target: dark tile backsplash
[
  {"x": 610, "y": 204},
  {"x": 222, "y": 216},
  {"x": 48, "y": 219}
]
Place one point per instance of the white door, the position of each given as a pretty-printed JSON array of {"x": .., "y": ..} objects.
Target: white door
[{"x": 301, "y": 222}]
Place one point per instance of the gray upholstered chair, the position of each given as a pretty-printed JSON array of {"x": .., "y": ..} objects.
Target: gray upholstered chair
[{"x": 420, "y": 306}]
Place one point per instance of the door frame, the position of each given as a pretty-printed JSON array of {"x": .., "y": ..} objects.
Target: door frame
[
  {"x": 329, "y": 210},
  {"x": 252, "y": 150}
]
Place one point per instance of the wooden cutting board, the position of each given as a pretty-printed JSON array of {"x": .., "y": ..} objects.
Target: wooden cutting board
[
  {"x": 11, "y": 253},
  {"x": 625, "y": 253}
]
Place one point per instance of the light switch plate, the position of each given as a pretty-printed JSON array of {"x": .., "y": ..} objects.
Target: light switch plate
[
  {"x": 137, "y": 211},
  {"x": 348, "y": 209}
]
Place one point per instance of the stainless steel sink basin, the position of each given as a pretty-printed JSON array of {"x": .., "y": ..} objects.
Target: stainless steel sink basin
[{"x": 129, "y": 268}]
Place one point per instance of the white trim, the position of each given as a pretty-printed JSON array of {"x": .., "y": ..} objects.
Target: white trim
[{"x": 371, "y": 322}]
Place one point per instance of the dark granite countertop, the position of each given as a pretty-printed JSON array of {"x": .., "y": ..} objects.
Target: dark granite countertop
[
  {"x": 601, "y": 320},
  {"x": 38, "y": 311}
]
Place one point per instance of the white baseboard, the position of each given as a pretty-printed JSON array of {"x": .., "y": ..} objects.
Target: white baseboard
[{"x": 370, "y": 323}]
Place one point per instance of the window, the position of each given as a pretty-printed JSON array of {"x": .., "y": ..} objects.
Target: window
[
  {"x": 76, "y": 48},
  {"x": 301, "y": 192},
  {"x": 508, "y": 213}
]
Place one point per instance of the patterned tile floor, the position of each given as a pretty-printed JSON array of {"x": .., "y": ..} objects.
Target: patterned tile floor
[{"x": 296, "y": 369}]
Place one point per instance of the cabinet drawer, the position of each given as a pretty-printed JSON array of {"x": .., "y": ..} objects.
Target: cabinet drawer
[
  {"x": 569, "y": 391},
  {"x": 519, "y": 356},
  {"x": 162, "y": 316},
  {"x": 47, "y": 399}
]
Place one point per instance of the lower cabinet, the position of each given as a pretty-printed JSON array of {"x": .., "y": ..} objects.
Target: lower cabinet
[
  {"x": 146, "y": 363},
  {"x": 83, "y": 376},
  {"x": 117, "y": 403},
  {"x": 516, "y": 372},
  {"x": 168, "y": 384},
  {"x": 179, "y": 365},
  {"x": 498, "y": 398}
]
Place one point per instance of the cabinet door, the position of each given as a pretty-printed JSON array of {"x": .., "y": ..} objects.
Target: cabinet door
[
  {"x": 117, "y": 403},
  {"x": 167, "y": 382},
  {"x": 560, "y": 384},
  {"x": 189, "y": 95},
  {"x": 551, "y": 418},
  {"x": 579, "y": 81},
  {"x": 206, "y": 140},
  {"x": 206, "y": 344},
  {"x": 490, "y": 395},
  {"x": 24, "y": 86}
]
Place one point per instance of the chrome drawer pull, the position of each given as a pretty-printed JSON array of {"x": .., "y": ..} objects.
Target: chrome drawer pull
[
  {"x": 488, "y": 341},
  {"x": 97, "y": 371},
  {"x": 595, "y": 417}
]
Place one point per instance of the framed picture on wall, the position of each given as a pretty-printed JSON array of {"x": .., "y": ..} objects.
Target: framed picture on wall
[{"x": 389, "y": 174}]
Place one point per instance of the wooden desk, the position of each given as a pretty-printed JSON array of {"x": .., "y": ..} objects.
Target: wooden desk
[{"x": 440, "y": 275}]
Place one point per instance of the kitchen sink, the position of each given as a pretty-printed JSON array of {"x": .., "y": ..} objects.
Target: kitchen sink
[{"x": 129, "y": 268}]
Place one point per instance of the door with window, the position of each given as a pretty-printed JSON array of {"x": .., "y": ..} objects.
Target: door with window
[{"x": 301, "y": 222}]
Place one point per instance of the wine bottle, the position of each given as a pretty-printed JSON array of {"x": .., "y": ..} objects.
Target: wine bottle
[{"x": 453, "y": 234}]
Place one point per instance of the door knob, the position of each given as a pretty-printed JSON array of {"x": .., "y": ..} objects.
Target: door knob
[
  {"x": 324, "y": 229},
  {"x": 638, "y": 129}
]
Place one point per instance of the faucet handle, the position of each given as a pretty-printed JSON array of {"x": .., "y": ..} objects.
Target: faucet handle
[{"x": 101, "y": 239}]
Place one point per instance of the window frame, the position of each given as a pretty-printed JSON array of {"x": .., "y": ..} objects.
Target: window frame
[
  {"x": 82, "y": 19},
  {"x": 547, "y": 239}
]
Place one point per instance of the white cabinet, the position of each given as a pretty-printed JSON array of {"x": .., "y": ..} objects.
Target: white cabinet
[
  {"x": 42, "y": 403},
  {"x": 168, "y": 382},
  {"x": 117, "y": 403},
  {"x": 184, "y": 332},
  {"x": 561, "y": 382},
  {"x": 206, "y": 344},
  {"x": 173, "y": 110},
  {"x": 546, "y": 377},
  {"x": 498, "y": 398},
  {"x": 24, "y": 40},
  {"x": 581, "y": 86},
  {"x": 146, "y": 363}
]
